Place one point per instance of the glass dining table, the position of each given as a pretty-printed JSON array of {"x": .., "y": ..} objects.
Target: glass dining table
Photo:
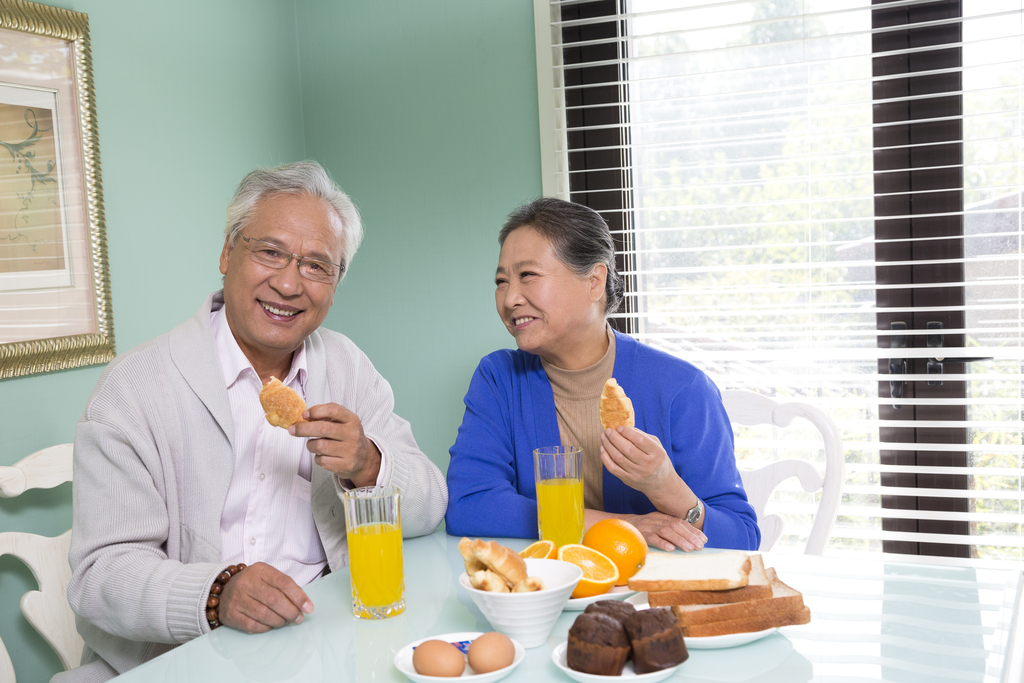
[{"x": 874, "y": 619}]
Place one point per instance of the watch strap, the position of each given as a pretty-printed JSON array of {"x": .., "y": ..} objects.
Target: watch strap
[{"x": 695, "y": 513}]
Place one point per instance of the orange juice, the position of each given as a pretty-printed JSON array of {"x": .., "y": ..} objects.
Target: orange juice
[
  {"x": 560, "y": 510},
  {"x": 375, "y": 564}
]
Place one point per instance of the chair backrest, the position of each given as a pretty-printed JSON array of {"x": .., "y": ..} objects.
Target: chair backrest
[
  {"x": 47, "y": 609},
  {"x": 749, "y": 408}
]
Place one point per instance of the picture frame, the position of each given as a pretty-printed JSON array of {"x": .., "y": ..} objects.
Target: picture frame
[{"x": 55, "y": 308}]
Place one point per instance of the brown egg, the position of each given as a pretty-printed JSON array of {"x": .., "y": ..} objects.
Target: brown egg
[
  {"x": 438, "y": 658},
  {"x": 490, "y": 652}
]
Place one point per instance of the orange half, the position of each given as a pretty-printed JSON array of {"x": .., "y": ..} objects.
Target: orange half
[
  {"x": 599, "y": 573},
  {"x": 544, "y": 550}
]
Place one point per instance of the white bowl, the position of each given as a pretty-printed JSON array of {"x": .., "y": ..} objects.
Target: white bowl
[{"x": 528, "y": 617}]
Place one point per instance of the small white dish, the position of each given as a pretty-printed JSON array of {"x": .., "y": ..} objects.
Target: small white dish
[
  {"x": 580, "y": 604},
  {"x": 708, "y": 642},
  {"x": 403, "y": 660},
  {"x": 558, "y": 656}
]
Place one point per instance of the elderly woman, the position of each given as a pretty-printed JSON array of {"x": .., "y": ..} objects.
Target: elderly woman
[{"x": 673, "y": 476}]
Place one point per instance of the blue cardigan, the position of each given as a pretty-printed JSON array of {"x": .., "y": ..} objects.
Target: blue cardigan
[{"x": 510, "y": 410}]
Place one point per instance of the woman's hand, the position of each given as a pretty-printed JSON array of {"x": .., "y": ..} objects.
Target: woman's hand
[
  {"x": 638, "y": 459},
  {"x": 667, "y": 532}
]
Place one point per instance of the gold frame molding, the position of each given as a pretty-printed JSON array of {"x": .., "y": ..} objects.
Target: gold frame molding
[{"x": 60, "y": 353}]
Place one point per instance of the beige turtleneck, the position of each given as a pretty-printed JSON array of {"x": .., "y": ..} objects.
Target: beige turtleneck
[{"x": 577, "y": 397}]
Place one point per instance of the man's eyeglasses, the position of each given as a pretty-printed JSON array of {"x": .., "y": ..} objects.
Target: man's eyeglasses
[{"x": 273, "y": 256}]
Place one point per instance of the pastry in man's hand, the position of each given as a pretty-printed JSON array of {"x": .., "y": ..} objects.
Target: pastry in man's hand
[
  {"x": 282, "y": 405},
  {"x": 616, "y": 408}
]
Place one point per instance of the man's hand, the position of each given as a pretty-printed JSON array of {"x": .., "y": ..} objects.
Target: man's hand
[
  {"x": 667, "y": 532},
  {"x": 638, "y": 459},
  {"x": 338, "y": 444},
  {"x": 260, "y": 598}
]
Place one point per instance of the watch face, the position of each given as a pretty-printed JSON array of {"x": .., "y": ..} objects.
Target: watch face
[{"x": 693, "y": 515}]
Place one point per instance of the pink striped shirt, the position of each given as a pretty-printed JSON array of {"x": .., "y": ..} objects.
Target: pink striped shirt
[{"x": 267, "y": 516}]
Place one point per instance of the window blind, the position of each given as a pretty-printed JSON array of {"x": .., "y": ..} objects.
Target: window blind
[{"x": 820, "y": 199}]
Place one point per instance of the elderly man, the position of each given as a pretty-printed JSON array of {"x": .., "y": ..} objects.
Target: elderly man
[{"x": 178, "y": 474}]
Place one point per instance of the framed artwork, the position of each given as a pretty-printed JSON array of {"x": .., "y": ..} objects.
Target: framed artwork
[{"x": 55, "y": 310}]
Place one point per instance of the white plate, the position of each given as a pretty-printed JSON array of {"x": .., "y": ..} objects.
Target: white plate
[
  {"x": 558, "y": 657},
  {"x": 580, "y": 604},
  {"x": 729, "y": 640},
  {"x": 403, "y": 660},
  {"x": 709, "y": 642}
]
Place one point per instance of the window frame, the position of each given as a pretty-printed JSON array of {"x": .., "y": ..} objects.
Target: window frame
[{"x": 906, "y": 180}]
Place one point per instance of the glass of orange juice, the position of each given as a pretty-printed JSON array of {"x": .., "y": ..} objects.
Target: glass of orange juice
[
  {"x": 558, "y": 475},
  {"x": 374, "y": 528}
]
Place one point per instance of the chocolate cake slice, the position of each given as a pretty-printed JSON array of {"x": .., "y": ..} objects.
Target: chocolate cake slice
[
  {"x": 656, "y": 640},
  {"x": 597, "y": 645}
]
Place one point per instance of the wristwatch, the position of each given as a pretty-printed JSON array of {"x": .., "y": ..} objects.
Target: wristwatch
[{"x": 696, "y": 512}]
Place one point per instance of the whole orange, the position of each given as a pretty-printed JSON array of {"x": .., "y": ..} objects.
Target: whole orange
[{"x": 621, "y": 542}]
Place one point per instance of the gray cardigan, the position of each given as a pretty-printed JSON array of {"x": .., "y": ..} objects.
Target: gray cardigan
[{"x": 152, "y": 463}]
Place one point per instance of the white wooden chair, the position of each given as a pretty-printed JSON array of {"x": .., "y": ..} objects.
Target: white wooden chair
[
  {"x": 47, "y": 609},
  {"x": 749, "y": 408}
]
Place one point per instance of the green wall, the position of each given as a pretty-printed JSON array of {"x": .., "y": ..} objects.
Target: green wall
[
  {"x": 426, "y": 113},
  {"x": 188, "y": 100}
]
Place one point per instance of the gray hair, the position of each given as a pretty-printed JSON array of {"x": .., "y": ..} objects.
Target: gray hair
[
  {"x": 579, "y": 235},
  {"x": 301, "y": 177}
]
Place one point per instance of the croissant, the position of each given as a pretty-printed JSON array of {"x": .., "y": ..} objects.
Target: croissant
[
  {"x": 495, "y": 568},
  {"x": 503, "y": 561},
  {"x": 529, "y": 584},
  {"x": 282, "y": 405},
  {"x": 616, "y": 409},
  {"x": 486, "y": 580},
  {"x": 499, "y": 561},
  {"x": 473, "y": 565}
]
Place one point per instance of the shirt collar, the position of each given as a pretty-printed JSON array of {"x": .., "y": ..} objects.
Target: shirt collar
[{"x": 233, "y": 362}]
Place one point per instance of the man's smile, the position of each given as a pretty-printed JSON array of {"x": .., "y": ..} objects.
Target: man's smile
[{"x": 277, "y": 312}]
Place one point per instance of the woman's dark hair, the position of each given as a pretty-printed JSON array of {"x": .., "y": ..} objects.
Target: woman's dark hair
[{"x": 579, "y": 235}]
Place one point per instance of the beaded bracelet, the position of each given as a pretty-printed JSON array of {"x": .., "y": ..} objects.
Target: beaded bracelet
[{"x": 215, "y": 590}]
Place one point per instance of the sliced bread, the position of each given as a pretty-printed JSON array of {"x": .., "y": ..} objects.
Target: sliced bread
[
  {"x": 758, "y": 587},
  {"x": 749, "y": 624},
  {"x": 783, "y": 600},
  {"x": 704, "y": 572}
]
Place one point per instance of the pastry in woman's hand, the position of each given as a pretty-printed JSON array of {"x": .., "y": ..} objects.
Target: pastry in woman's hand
[
  {"x": 616, "y": 408},
  {"x": 282, "y": 405}
]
